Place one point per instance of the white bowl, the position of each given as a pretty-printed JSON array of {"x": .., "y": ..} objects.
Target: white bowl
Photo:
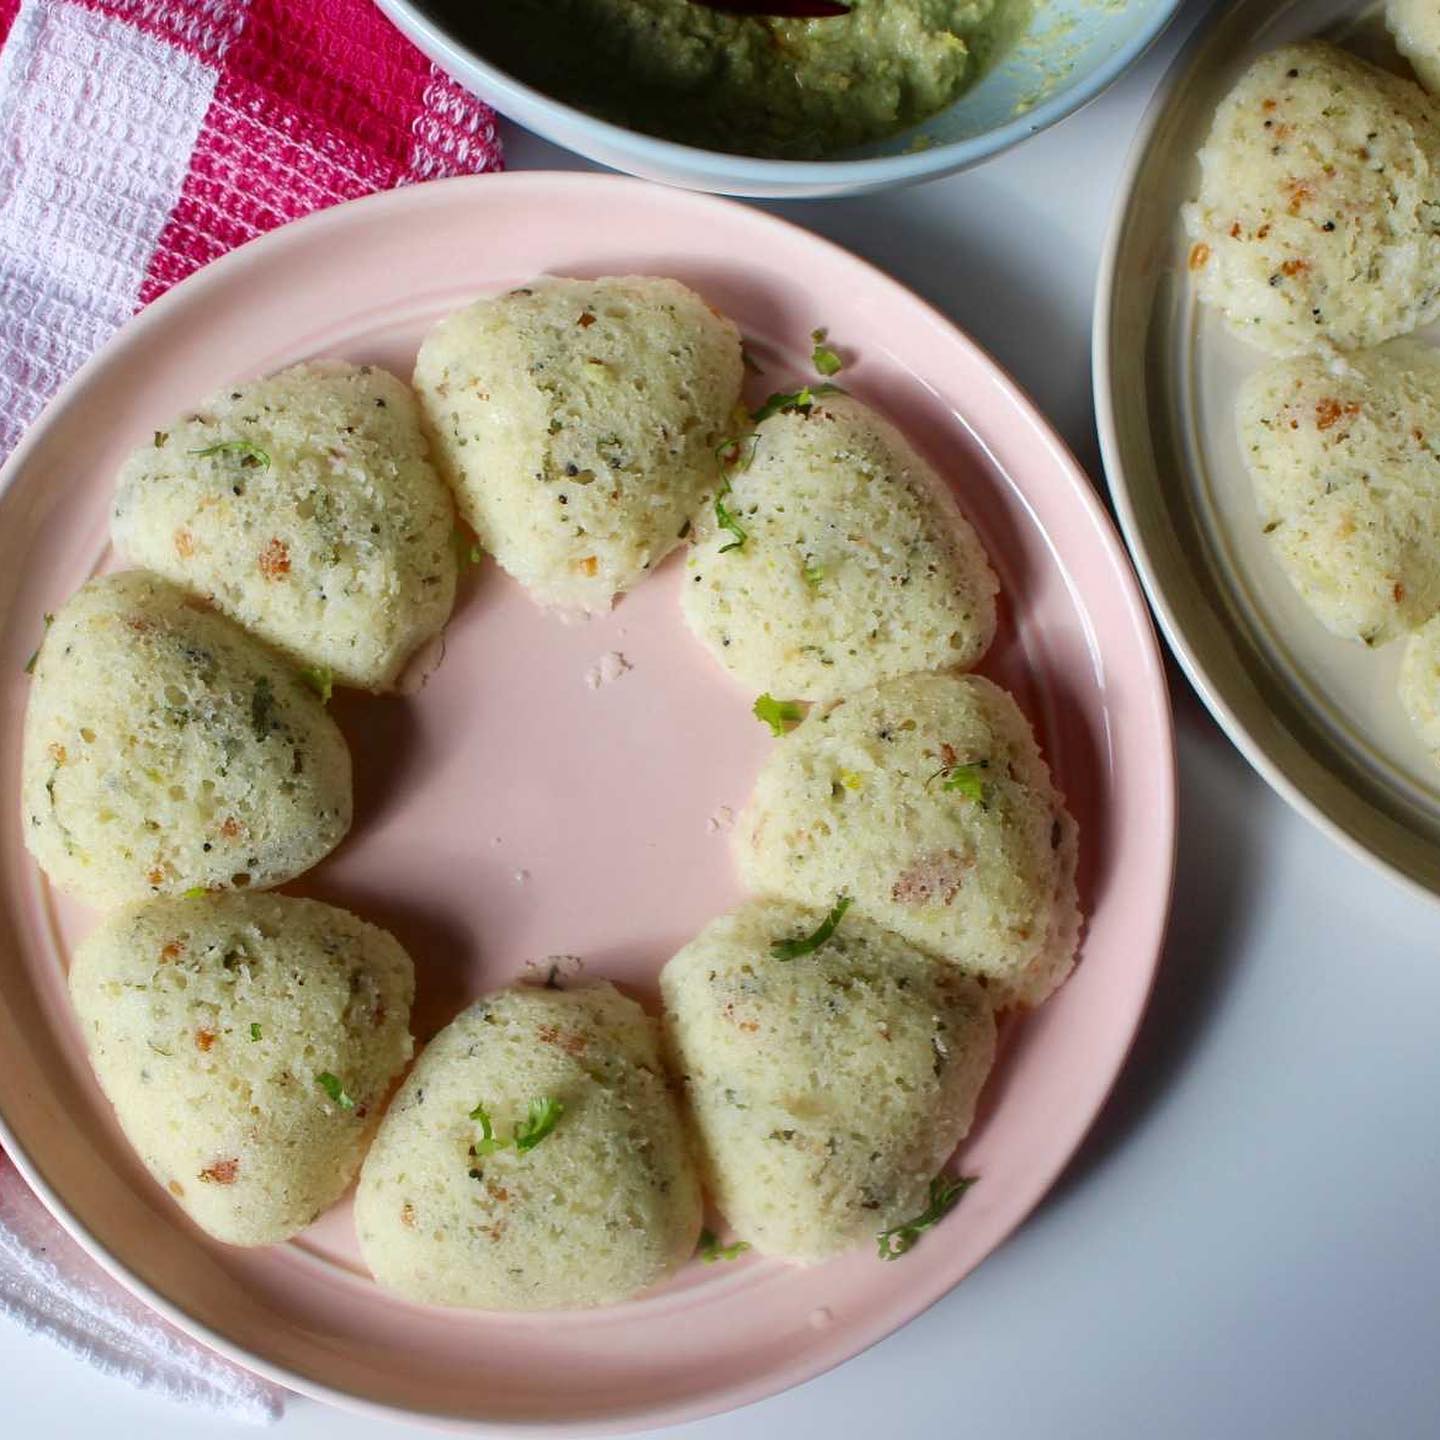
[{"x": 1075, "y": 50}]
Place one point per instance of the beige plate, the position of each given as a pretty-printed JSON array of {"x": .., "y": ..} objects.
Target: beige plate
[{"x": 1317, "y": 716}]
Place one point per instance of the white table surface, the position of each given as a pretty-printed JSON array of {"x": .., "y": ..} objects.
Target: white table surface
[{"x": 1248, "y": 1245}]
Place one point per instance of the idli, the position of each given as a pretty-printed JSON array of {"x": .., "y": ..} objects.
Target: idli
[
  {"x": 926, "y": 802},
  {"x": 1315, "y": 225},
  {"x": 247, "y": 1043},
  {"x": 1345, "y": 460},
  {"x": 577, "y": 421},
  {"x": 828, "y": 1089},
  {"x": 1419, "y": 685},
  {"x": 534, "y": 1159},
  {"x": 1415, "y": 25},
  {"x": 835, "y": 557},
  {"x": 304, "y": 506},
  {"x": 165, "y": 750}
]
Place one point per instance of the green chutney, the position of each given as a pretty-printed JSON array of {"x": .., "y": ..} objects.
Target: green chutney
[{"x": 785, "y": 88}]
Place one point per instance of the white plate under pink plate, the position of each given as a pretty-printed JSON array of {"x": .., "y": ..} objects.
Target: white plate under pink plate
[{"x": 509, "y": 811}]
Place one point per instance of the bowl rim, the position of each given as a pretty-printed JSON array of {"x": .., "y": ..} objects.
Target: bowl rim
[{"x": 511, "y": 96}]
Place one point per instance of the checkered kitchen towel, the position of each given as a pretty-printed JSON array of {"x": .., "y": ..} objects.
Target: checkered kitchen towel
[
  {"x": 139, "y": 139},
  {"x": 142, "y": 138}
]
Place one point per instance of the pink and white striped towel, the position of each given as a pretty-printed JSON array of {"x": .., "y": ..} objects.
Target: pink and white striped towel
[
  {"x": 139, "y": 139},
  {"x": 142, "y": 138}
]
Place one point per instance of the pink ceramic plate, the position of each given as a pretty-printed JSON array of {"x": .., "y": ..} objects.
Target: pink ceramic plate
[{"x": 510, "y": 811}]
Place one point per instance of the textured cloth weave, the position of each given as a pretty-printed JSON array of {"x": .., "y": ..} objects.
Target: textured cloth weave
[
  {"x": 142, "y": 138},
  {"x": 49, "y": 1286},
  {"x": 138, "y": 140}
]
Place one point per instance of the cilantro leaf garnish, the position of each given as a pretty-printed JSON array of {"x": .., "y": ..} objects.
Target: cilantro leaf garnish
[
  {"x": 487, "y": 1144},
  {"x": 709, "y": 1248},
  {"x": 738, "y": 451},
  {"x": 779, "y": 715},
  {"x": 802, "y": 400},
  {"x": 35, "y": 653},
  {"x": 331, "y": 1085},
  {"x": 194, "y": 892},
  {"x": 321, "y": 679},
  {"x": 808, "y": 944},
  {"x": 545, "y": 1112},
  {"x": 251, "y": 455},
  {"x": 824, "y": 359},
  {"x": 967, "y": 779},
  {"x": 254, "y": 1030},
  {"x": 945, "y": 1194},
  {"x": 813, "y": 574},
  {"x": 726, "y": 520}
]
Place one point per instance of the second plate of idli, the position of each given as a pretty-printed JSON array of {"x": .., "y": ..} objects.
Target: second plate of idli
[
  {"x": 1266, "y": 381},
  {"x": 541, "y": 797}
]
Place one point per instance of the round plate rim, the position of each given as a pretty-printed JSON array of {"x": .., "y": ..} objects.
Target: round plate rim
[
  {"x": 1151, "y": 924},
  {"x": 1267, "y": 765}
]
